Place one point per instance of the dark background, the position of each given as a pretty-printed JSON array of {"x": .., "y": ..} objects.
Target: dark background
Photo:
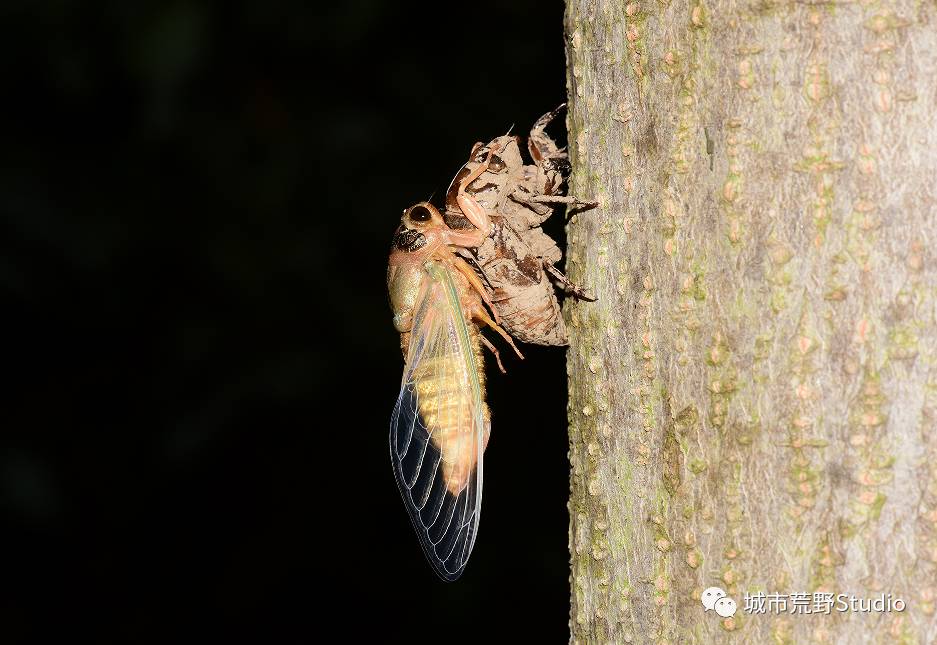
[{"x": 198, "y": 200}]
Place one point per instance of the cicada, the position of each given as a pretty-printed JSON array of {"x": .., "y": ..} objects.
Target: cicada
[
  {"x": 517, "y": 259},
  {"x": 440, "y": 425}
]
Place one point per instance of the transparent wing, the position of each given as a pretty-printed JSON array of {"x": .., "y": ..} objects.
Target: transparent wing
[{"x": 438, "y": 428}]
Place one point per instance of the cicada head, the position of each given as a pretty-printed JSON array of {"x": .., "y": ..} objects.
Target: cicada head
[{"x": 418, "y": 226}]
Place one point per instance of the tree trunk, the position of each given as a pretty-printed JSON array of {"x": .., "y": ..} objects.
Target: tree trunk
[{"x": 753, "y": 397}]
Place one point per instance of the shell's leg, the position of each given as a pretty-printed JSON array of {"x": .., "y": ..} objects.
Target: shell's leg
[
  {"x": 476, "y": 284},
  {"x": 569, "y": 287},
  {"x": 539, "y": 143},
  {"x": 480, "y": 315},
  {"x": 494, "y": 350},
  {"x": 574, "y": 202}
]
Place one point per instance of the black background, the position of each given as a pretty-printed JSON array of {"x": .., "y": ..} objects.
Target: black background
[{"x": 198, "y": 200}]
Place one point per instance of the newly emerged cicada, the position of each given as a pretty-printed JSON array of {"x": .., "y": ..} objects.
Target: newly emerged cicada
[{"x": 440, "y": 425}]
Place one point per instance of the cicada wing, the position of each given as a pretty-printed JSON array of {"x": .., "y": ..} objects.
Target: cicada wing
[{"x": 438, "y": 428}]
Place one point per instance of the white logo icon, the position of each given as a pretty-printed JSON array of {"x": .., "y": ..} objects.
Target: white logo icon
[
  {"x": 725, "y": 607},
  {"x": 715, "y": 598},
  {"x": 710, "y": 596}
]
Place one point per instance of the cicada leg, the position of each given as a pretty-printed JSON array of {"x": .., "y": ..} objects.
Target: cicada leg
[
  {"x": 569, "y": 287},
  {"x": 475, "y": 283},
  {"x": 480, "y": 315},
  {"x": 494, "y": 350}
]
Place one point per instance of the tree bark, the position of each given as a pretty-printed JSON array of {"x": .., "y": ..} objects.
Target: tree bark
[{"x": 753, "y": 397}]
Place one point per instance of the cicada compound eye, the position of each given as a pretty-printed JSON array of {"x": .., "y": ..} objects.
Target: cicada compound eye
[{"x": 420, "y": 213}]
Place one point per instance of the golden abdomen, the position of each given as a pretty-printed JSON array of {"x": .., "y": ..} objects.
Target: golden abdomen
[{"x": 446, "y": 408}]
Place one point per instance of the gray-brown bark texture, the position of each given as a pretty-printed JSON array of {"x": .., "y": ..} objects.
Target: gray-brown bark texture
[{"x": 753, "y": 399}]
